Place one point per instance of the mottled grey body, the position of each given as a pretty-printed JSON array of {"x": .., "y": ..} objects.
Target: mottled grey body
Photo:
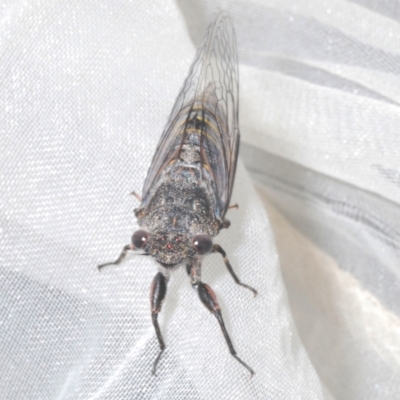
[
  {"x": 189, "y": 184},
  {"x": 183, "y": 200}
]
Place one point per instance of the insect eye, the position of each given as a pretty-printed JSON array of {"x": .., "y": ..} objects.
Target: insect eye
[
  {"x": 139, "y": 238},
  {"x": 202, "y": 243}
]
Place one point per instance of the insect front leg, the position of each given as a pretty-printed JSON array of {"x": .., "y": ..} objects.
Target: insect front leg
[
  {"x": 157, "y": 294},
  {"x": 218, "y": 249},
  {"x": 119, "y": 260},
  {"x": 208, "y": 298},
  {"x": 138, "y": 197}
]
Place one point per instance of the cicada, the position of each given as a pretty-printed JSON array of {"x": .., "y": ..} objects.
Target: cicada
[{"x": 188, "y": 187}]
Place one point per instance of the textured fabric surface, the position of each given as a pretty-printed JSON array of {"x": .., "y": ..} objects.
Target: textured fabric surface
[
  {"x": 86, "y": 91},
  {"x": 338, "y": 253}
]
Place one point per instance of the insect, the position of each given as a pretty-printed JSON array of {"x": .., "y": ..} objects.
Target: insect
[{"x": 189, "y": 184}]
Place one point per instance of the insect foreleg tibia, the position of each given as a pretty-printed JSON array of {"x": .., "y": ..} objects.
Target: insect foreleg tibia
[
  {"x": 218, "y": 249},
  {"x": 121, "y": 257},
  {"x": 133, "y": 193},
  {"x": 236, "y": 205},
  {"x": 157, "y": 294},
  {"x": 209, "y": 299}
]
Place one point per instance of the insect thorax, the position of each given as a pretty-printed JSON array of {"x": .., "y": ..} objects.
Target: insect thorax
[{"x": 183, "y": 198}]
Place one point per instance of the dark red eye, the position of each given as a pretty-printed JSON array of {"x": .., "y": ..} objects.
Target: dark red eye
[
  {"x": 202, "y": 243},
  {"x": 139, "y": 238}
]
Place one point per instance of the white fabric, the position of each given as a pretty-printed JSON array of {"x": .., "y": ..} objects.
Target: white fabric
[{"x": 86, "y": 91}]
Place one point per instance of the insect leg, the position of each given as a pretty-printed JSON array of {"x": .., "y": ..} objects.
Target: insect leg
[
  {"x": 188, "y": 268},
  {"x": 119, "y": 259},
  {"x": 236, "y": 205},
  {"x": 208, "y": 298},
  {"x": 157, "y": 294},
  {"x": 136, "y": 195},
  {"x": 218, "y": 249}
]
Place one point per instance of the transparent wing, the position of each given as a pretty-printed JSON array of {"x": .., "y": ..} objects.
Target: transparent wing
[{"x": 209, "y": 96}]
